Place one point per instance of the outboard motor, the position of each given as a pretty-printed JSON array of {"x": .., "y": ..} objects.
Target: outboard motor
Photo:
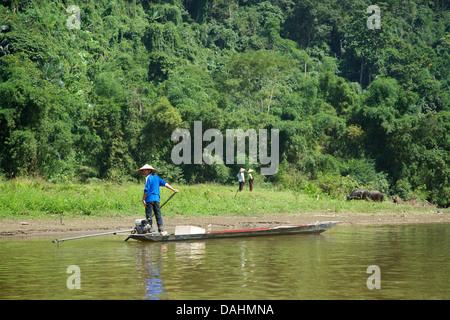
[{"x": 142, "y": 226}]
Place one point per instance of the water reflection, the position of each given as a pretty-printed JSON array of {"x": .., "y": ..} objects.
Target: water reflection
[
  {"x": 152, "y": 258},
  {"x": 328, "y": 266},
  {"x": 189, "y": 250},
  {"x": 153, "y": 284},
  {"x": 413, "y": 260}
]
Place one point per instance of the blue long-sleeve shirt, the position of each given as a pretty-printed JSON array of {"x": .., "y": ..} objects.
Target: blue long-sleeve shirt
[{"x": 152, "y": 184}]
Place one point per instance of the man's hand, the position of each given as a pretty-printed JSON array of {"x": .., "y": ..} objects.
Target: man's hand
[
  {"x": 168, "y": 186},
  {"x": 143, "y": 199}
]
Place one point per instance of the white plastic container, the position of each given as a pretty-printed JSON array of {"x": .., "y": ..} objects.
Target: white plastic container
[{"x": 188, "y": 230}]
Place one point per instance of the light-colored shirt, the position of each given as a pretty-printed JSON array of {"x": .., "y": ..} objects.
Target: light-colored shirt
[{"x": 241, "y": 177}]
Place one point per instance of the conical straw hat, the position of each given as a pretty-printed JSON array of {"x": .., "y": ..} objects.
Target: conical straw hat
[{"x": 146, "y": 167}]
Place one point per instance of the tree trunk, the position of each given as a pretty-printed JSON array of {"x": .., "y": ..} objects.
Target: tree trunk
[{"x": 361, "y": 72}]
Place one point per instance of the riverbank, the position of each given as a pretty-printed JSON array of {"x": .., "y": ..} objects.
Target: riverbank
[
  {"x": 29, "y": 207},
  {"x": 28, "y": 227}
]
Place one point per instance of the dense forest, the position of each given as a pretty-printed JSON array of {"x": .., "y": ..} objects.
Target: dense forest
[{"x": 93, "y": 89}]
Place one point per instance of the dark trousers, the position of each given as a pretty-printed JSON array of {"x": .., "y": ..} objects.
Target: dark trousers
[
  {"x": 250, "y": 182},
  {"x": 154, "y": 206}
]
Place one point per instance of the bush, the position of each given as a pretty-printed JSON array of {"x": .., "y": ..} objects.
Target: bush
[
  {"x": 85, "y": 173},
  {"x": 335, "y": 185},
  {"x": 403, "y": 189}
]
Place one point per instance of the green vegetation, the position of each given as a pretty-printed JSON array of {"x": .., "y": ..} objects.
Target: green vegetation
[
  {"x": 354, "y": 106},
  {"x": 24, "y": 198}
]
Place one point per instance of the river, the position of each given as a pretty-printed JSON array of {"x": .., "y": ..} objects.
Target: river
[{"x": 346, "y": 262}]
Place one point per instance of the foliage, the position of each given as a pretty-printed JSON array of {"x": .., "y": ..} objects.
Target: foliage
[{"x": 355, "y": 106}]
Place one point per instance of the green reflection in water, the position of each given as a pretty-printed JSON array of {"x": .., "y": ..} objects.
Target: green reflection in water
[{"x": 413, "y": 262}]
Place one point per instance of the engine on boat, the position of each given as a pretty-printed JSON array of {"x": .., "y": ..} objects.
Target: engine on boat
[{"x": 142, "y": 226}]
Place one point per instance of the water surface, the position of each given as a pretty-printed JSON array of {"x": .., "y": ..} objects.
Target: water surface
[{"x": 413, "y": 262}]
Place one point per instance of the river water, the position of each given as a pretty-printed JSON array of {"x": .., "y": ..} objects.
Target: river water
[{"x": 346, "y": 262}]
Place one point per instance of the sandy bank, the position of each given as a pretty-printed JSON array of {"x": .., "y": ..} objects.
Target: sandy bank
[{"x": 13, "y": 227}]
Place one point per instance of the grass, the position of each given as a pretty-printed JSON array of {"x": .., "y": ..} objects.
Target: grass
[{"x": 39, "y": 199}]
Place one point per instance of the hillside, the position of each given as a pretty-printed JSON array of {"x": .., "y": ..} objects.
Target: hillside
[{"x": 95, "y": 91}]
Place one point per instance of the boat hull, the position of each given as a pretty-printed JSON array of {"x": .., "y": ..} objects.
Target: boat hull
[{"x": 310, "y": 228}]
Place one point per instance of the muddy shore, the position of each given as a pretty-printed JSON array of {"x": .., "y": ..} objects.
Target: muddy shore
[{"x": 29, "y": 227}]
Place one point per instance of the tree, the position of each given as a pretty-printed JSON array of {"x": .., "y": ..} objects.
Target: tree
[{"x": 256, "y": 78}]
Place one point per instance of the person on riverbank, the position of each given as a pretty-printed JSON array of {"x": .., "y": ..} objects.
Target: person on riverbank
[
  {"x": 151, "y": 197},
  {"x": 250, "y": 179},
  {"x": 241, "y": 179}
]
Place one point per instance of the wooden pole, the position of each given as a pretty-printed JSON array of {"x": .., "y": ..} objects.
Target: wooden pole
[{"x": 168, "y": 200}]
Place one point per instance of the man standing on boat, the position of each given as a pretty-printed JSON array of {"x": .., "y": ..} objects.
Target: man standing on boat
[{"x": 151, "y": 196}]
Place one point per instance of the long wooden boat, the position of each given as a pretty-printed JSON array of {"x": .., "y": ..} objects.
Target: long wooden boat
[{"x": 310, "y": 228}]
